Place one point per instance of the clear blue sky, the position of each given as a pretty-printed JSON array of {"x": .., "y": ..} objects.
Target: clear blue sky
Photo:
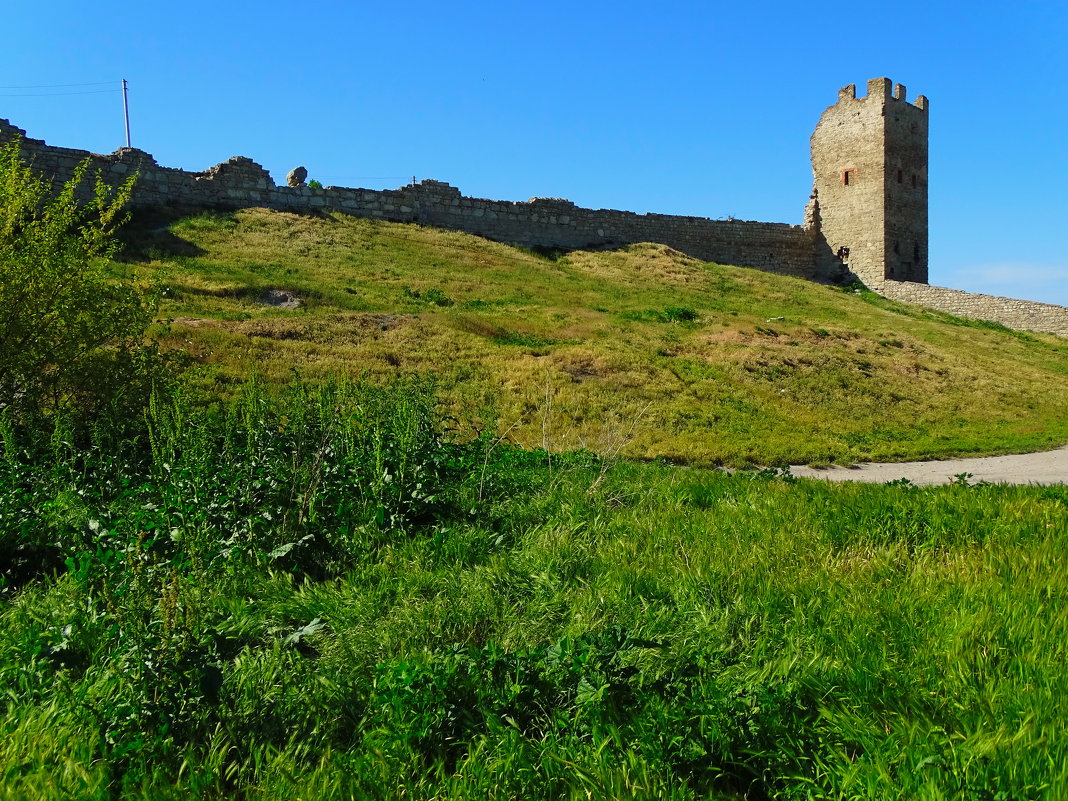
[{"x": 676, "y": 107}]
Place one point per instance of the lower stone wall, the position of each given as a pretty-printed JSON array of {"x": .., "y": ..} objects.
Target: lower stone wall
[
  {"x": 541, "y": 222},
  {"x": 1024, "y": 315}
]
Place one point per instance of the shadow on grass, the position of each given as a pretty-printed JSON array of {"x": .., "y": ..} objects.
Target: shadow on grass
[{"x": 147, "y": 236}]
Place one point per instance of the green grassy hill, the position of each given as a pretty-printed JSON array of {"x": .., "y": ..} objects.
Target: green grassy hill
[{"x": 642, "y": 352}]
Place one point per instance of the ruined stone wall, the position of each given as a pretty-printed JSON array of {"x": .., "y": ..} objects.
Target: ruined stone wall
[
  {"x": 868, "y": 216},
  {"x": 1023, "y": 315},
  {"x": 543, "y": 222}
]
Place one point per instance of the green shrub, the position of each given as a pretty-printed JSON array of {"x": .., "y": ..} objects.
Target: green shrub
[
  {"x": 680, "y": 314},
  {"x": 669, "y": 314},
  {"x": 433, "y": 296},
  {"x": 69, "y": 335}
]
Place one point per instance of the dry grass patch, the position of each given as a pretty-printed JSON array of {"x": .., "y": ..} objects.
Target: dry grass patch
[{"x": 646, "y": 261}]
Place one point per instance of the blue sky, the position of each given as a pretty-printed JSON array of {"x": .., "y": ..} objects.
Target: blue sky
[{"x": 674, "y": 107}]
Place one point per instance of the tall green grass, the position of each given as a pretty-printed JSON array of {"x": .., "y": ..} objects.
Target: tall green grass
[{"x": 335, "y": 593}]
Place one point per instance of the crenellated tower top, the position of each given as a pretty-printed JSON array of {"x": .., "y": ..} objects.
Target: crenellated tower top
[{"x": 880, "y": 89}]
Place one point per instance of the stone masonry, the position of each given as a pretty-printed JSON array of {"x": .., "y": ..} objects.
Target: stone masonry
[
  {"x": 869, "y": 162},
  {"x": 541, "y": 222},
  {"x": 867, "y": 215},
  {"x": 1023, "y": 315}
]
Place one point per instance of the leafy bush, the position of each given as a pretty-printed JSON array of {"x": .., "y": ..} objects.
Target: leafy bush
[
  {"x": 69, "y": 335},
  {"x": 312, "y": 481}
]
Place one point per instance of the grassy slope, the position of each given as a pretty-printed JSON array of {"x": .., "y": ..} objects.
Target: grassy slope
[{"x": 576, "y": 351}]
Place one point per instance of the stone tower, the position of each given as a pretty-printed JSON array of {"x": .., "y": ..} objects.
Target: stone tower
[{"x": 869, "y": 160}]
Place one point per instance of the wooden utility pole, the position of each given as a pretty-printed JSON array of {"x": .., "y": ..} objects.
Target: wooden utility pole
[{"x": 126, "y": 112}]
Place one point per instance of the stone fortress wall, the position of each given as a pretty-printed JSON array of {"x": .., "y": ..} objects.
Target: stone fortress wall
[
  {"x": 867, "y": 212},
  {"x": 1023, "y": 315},
  {"x": 542, "y": 222}
]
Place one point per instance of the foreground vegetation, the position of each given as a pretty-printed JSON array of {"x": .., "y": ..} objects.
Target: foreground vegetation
[
  {"x": 643, "y": 352},
  {"x": 362, "y": 588},
  {"x": 328, "y": 596}
]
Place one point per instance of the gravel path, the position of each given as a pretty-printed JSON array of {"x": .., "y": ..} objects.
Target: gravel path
[{"x": 1048, "y": 467}]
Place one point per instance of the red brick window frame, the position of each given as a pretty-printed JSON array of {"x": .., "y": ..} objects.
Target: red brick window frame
[{"x": 849, "y": 176}]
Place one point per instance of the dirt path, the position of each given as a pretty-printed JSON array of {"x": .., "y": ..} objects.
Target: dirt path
[{"x": 1048, "y": 467}]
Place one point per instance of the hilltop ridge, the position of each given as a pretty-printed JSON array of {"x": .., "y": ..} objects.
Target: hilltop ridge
[{"x": 641, "y": 351}]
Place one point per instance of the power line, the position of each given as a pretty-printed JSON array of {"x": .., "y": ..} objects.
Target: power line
[
  {"x": 56, "y": 85},
  {"x": 66, "y": 94},
  {"x": 123, "y": 89}
]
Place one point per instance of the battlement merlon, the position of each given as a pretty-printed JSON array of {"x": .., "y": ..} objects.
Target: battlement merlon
[
  {"x": 899, "y": 94},
  {"x": 880, "y": 89},
  {"x": 847, "y": 92}
]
